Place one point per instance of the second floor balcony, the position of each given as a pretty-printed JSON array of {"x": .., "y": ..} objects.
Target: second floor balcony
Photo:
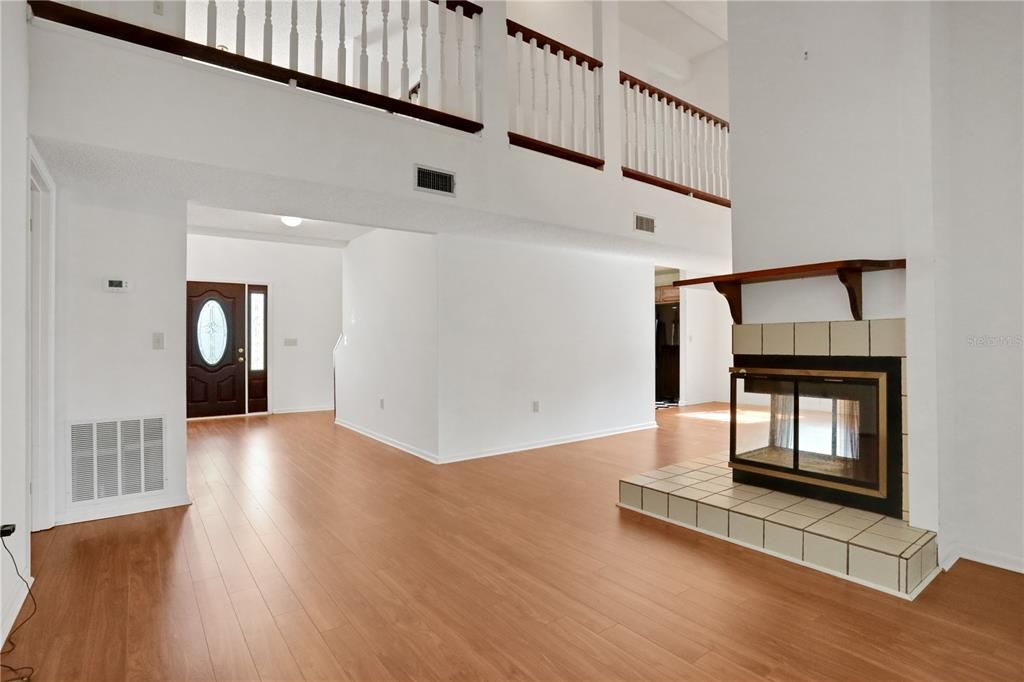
[{"x": 476, "y": 69}]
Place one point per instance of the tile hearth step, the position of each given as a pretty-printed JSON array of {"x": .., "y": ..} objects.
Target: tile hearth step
[{"x": 871, "y": 549}]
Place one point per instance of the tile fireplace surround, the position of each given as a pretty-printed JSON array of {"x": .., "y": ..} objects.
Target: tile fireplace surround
[{"x": 874, "y": 550}]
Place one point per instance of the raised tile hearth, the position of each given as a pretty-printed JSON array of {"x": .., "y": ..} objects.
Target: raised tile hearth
[{"x": 875, "y": 550}]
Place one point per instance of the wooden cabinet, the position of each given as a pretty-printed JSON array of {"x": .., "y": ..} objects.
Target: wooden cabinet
[{"x": 666, "y": 294}]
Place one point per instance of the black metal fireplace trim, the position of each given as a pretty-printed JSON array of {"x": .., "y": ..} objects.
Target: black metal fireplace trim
[{"x": 892, "y": 503}]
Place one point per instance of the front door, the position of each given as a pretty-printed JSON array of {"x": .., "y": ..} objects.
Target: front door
[{"x": 215, "y": 358}]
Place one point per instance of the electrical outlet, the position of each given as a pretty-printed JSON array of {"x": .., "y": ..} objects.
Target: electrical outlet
[
  {"x": 158, "y": 7},
  {"x": 536, "y": 406},
  {"x": 158, "y": 340},
  {"x": 382, "y": 403}
]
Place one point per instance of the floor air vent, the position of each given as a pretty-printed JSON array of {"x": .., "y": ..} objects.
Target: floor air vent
[
  {"x": 433, "y": 180},
  {"x": 111, "y": 458},
  {"x": 643, "y": 223}
]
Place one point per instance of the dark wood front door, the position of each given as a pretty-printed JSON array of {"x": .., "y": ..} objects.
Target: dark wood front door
[{"x": 215, "y": 358}]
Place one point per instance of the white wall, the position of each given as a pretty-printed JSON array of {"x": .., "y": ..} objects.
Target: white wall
[
  {"x": 106, "y": 364},
  {"x": 904, "y": 144},
  {"x": 521, "y": 323},
  {"x": 304, "y": 303},
  {"x": 570, "y": 23},
  {"x": 389, "y": 348},
  {"x": 13, "y": 293},
  {"x": 707, "y": 350}
]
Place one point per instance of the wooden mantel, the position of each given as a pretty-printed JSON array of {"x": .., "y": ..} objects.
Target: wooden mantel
[{"x": 848, "y": 271}]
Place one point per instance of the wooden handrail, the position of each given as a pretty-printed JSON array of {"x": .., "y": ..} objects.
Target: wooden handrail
[
  {"x": 120, "y": 30},
  {"x": 533, "y": 144},
  {"x": 469, "y": 9},
  {"x": 658, "y": 92},
  {"x": 529, "y": 34},
  {"x": 675, "y": 187}
]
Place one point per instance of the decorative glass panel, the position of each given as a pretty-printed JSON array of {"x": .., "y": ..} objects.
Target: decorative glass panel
[
  {"x": 257, "y": 334},
  {"x": 212, "y": 332}
]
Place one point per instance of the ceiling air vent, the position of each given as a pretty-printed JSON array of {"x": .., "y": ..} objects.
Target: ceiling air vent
[
  {"x": 433, "y": 180},
  {"x": 643, "y": 223}
]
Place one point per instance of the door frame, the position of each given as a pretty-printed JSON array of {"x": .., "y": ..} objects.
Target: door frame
[
  {"x": 41, "y": 425},
  {"x": 269, "y": 350}
]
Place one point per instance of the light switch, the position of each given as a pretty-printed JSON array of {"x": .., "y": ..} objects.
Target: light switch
[
  {"x": 291, "y": 342},
  {"x": 158, "y": 340}
]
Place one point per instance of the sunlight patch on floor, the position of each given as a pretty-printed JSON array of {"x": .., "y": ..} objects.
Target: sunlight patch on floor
[{"x": 742, "y": 416}]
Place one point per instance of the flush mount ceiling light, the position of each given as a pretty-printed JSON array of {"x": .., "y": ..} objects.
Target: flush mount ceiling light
[{"x": 291, "y": 221}]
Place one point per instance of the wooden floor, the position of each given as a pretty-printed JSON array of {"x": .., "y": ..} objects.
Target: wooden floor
[{"x": 314, "y": 553}]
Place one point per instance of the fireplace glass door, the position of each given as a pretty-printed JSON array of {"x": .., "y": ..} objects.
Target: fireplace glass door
[{"x": 812, "y": 425}]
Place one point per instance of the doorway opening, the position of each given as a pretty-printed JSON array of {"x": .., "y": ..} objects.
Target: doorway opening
[
  {"x": 667, "y": 335},
  {"x": 226, "y": 359}
]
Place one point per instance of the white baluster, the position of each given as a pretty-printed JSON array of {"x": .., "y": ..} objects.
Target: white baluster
[
  {"x": 691, "y": 151},
  {"x": 547, "y": 93},
  {"x": 424, "y": 18},
  {"x": 717, "y": 156},
  {"x": 670, "y": 141},
  {"x": 364, "y": 58},
  {"x": 211, "y": 23},
  {"x": 268, "y": 34},
  {"x": 560, "y": 123},
  {"x": 659, "y": 133},
  {"x": 478, "y": 64},
  {"x": 342, "y": 56},
  {"x": 534, "y": 109},
  {"x": 725, "y": 151},
  {"x": 626, "y": 144},
  {"x": 586, "y": 105},
  {"x": 293, "y": 38},
  {"x": 572, "y": 102},
  {"x": 646, "y": 101},
  {"x": 598, "y": 116},
  {"x": 240, "y": 28},
  {"x": 460, "y": 100},
  {"x": 318, "y": 42},
  {"x": 442, "y": 30},
  {"x": 385, "y": 66},
  {"x": 515, "y": 102},
  {"x": 404, "y": 77}
]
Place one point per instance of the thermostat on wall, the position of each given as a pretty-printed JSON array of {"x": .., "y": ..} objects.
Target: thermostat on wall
[{"x": 117, "y": 285}]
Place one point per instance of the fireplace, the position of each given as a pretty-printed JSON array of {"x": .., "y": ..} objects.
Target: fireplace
[{"x": 822, "y": 427}]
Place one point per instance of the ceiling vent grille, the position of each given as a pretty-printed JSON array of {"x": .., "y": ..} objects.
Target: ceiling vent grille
[
  {"x": 433, "y": 180},
  {"x": 643, "y": 223},
  {"x": 111, "y": 458}
]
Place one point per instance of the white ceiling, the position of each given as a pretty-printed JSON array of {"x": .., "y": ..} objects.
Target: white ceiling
[
  {"x": 229, "y": 222},
  {"x": 688, "y": 29}
]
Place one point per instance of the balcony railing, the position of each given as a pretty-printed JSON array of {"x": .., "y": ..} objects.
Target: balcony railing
[{"x": 423, "y": 59}]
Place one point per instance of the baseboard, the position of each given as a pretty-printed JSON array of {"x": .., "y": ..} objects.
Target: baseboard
[
  {"x": 107, "y": 510},
  {"x": 521, "y": 447},
  {"x": 11, "y": 610},
  {"x": 293, "y": 410},
  {"x": 997, "y": 559},
  {"x": 949, "y": 553},
  {"x": 397, "y": 444}
]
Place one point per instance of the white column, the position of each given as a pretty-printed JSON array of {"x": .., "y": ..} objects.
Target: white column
[
  {"x": 495, "y": 69},
  {"x": 606, "y": 48}
]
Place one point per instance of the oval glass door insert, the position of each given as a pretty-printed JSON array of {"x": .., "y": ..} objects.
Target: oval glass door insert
[{"x": 212, "y": 332}]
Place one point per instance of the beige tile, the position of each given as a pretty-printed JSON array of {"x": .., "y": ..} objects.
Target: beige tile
[
  {"x": 692, "y": 493},
  {"x": 742, "y": 493},
  {"x": 914, "y": 574},
  {"x": 849, "y": 338},
  {"x": 746, "y": 529},
  {"x": 786, "y": 541},
  {"x": 929, "y": 557},
  {"x": 875, "y": 567},
  {"x": 710, "y": 486},
  {"x": 746, "y": 339},
  {"x": 788, "y": 518},
  {"x": 664, "y": 486},
  {"x": 655, "y": 502},
  {"x": 755, "y": 509},
  {"x": 725, "y": 480},
  {"x": 630, "y": 495},
  {"x": 903, "y": 376},
  {"x": 637, "y": 479},
  {"x": 897, "y": 529},
  {"x": 712, "y": 460},
  {"x": 779, "y": 500},
  {"x": 721, "y": 501},
  {"x": 906, "y": 417},
  {"x": 682, "y": 510},
  {"x": 811, "y": 338},
  {"x": 701, "y": 475},
  {"x": 718, "y": 470},
  {"x": 889, "y": 338},
  {"x": 854, "y": 518},
  {"x": 683, "y": 480},
  {"x": 777, "y": 339},
  {"x": 906, "y": 454},
  {"x": 813, "y": 509},
  {"x": 880, "y": 543},
  {"x": 824, "y": 552},
  {"x": 658, "y": 473},
  {"x": 677, "y": 469},
  {"x": 833, "y": 530},
  {"x": 712, "y": 519}
]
